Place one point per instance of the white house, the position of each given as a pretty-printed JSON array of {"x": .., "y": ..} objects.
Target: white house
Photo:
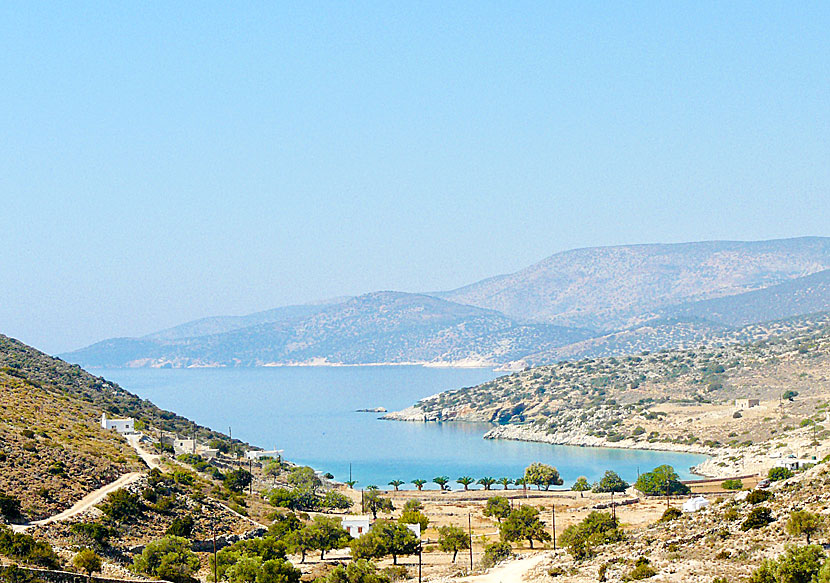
[
  {"x": 796, "y": 463},
  {"x": 356, "y": 525},
  {"x": 181, "y": 446},
  {"x": 123, "y": 426},
  {"x": 257, "y": 455},
  {"x": 746, "y": 403}
]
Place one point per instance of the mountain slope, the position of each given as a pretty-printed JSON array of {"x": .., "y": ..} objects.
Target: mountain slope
[
  {"x": 70, "y": 381},
  {"x": 804, "y": 295},
  {"x": 374, "y": 328},
  {"x": 611, "y": 287},
  {"x": 220, "y": 324}
]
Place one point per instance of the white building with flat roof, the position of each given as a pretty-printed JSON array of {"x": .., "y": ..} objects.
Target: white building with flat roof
[
  {"x": 123, "y": 426},
  {"x": 356, "y": 525}
]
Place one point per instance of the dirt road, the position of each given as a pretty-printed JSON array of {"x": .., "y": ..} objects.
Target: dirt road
[
  {"x": 510, "y": 572},
  {"x": 84, "y": 503}
]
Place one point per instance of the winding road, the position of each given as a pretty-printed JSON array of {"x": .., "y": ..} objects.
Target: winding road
[{"x": 96, "y": 496}]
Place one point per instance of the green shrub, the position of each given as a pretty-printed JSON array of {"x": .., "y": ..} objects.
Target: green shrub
[
  {"x": 758, "y": 518},
  {"x": 595, "y": 529},
  {"x": 670, "y": 514},
  {"x": 168, "y": 558},
  {"x": 732, "y": 485},
  {"x": 24, "y": 548},
  {"x": 181, "y": 526},
  {"x": 642, "y": 570},
  {"x": 496, "y": 553},
  {"x": 758, "y": 496},
  {"x": 776, "y": 474},
  {"x": 122, "y": 506},
  {"x": 796, "y": 565},
  {"x": 9, "y": 507},
  {"x": 92, "y": 533}
]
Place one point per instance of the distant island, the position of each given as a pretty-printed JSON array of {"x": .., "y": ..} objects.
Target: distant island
[{"x": 593, "y": 302}]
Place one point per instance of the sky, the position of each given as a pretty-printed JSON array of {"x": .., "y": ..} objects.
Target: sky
[{"x": 162, "y": 162}]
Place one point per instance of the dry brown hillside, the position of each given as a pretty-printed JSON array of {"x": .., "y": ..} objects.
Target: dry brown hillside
[{"x": 53, "y": 449}]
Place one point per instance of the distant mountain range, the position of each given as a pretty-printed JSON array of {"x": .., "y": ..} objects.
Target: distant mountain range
[{"x": 595, "y": 301}]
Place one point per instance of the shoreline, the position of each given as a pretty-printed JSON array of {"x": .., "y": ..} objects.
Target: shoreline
[
  {"x": 315, "y": 363},
  {"x": 576, "y": 439}
]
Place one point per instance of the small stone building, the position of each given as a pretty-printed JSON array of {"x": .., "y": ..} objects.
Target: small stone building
[{"x": 746, "y": 403}]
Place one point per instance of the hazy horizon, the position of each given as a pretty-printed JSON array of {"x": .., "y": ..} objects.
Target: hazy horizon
[{"x": 163, "y": 164}]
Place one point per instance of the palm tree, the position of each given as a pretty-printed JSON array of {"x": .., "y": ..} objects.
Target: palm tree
[
  {"x": 396, "y": 483},
  {"x": 351, "y": 483},
  {"x": 441, "y": 481},
  {"x": 465, "y": 481},
  {"x": 487, "y": 482},
  {"x": 419, "y": 483},
  {"x": 372, "y": 487},
  {"x": 505, "y": 482}
]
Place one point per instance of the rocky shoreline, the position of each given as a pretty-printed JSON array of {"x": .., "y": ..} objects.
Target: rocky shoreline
[{"x": 579, "y": 439}]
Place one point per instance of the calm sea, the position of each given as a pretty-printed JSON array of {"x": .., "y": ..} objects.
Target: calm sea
[{"x": 310, "y": 412}]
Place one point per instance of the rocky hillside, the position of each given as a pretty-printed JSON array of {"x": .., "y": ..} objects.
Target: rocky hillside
[
  {"x": 720, "y": 543},
  {"x": 612, "y": 287},
  {"x": 667, "y": 400},
  {"x": 70, "y": 381},
  {"x": 52, "y": 448},
  {"x": 378, "y": 327}
]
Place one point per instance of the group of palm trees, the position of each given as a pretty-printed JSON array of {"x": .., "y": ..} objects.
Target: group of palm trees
[{"x": 466, "y": 481}]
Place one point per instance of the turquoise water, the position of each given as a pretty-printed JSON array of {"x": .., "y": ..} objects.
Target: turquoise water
[{"x": 310, "y": 413}]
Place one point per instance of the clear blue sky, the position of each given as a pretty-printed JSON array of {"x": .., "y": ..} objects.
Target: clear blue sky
[{"x": 164, "y": 161}]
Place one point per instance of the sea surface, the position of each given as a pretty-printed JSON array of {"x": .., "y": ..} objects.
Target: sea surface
[{"x": 310, "y": 413}]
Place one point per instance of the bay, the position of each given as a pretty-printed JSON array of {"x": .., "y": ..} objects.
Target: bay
[{"x": 310, "y": 413}]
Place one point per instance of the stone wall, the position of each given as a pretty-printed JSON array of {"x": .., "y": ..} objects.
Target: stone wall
[{"x": 68, "y": 577}]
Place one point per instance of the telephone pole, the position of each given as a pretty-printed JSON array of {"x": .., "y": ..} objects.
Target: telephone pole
[
  {"x": 553, "y": 524},
  {"x": 470, "y": 530}
]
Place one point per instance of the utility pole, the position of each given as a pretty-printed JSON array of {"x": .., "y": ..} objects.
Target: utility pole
[
  {"x": 215, "y": 567},
  {"x": 350, "y": 471},
  {"x": 613, "y": 506},
  {"x": 251, "y": 471},
  {"x": 553, "y": 524},
  {"x": 420, "y": 553},
  {"x": 470, "y": 529}
]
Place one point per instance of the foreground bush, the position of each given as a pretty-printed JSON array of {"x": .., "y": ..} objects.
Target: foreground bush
[
  {"x": 796, "y": 565},
  {"x": 359, "y": 571},
  {"x": 595, "y": 529},
  {"x": 22, "y": 547},
  {"x": 496, "y": 553},
  {"x": 758, "y": 518},
  {"x": 169, "y": 558},
  {"x": 776, "y": 474}
]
